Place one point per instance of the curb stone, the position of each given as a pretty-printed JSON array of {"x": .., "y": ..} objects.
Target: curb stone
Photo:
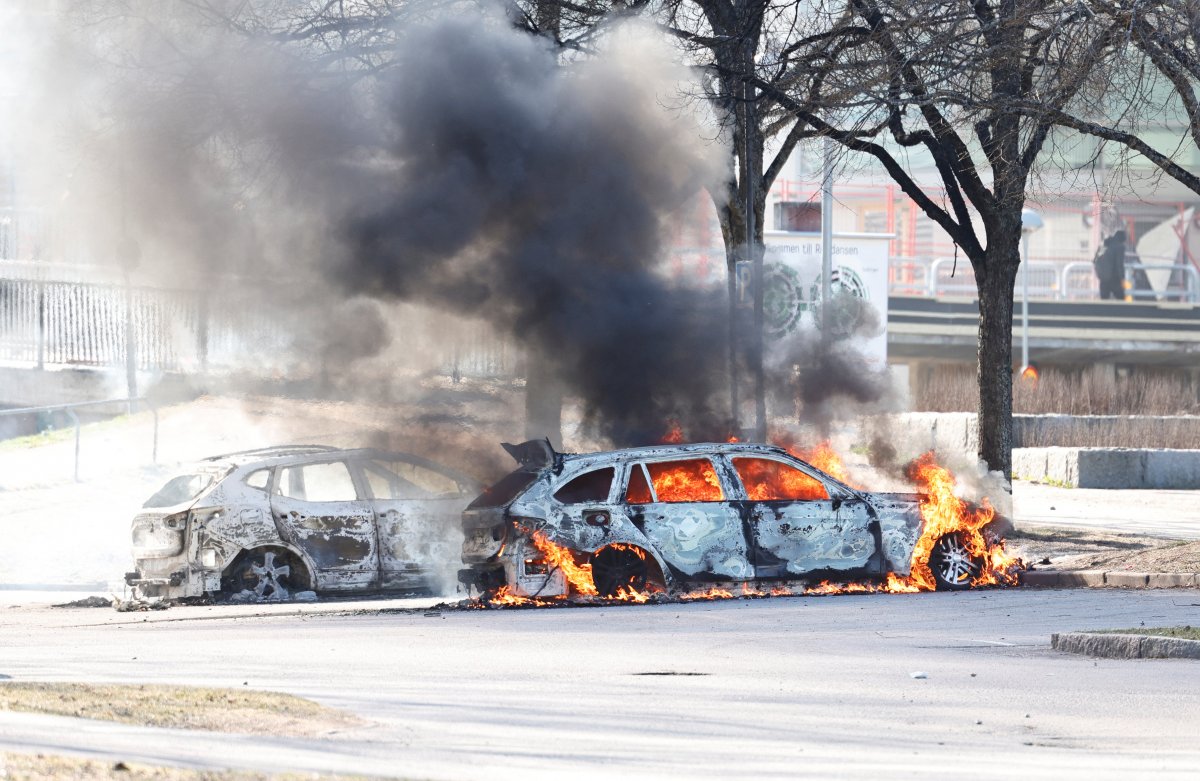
[
  {"x": 1113, "y": 646},
  {"x": 1050, "y": 578}
]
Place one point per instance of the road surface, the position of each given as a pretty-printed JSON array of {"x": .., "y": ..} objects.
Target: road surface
[{"x": 816, "y": 687}]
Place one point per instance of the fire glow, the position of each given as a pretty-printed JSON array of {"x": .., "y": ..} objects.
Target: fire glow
[{"x": 942, "y": 511}]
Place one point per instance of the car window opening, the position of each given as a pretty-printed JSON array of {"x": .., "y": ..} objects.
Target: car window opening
[
  {"x": 766, "y": 480},
  {"x": 693, "y": 480},
  {"x": 259, "y": 479},
  {"x": 180, "y": 489},
  {"x": 330, "y": 482},
  {"x": 504, "y": 491},
  {"x": 386, "y": 484},
  {"x": 590, "y": 486},
  {"x": 639, "y": 486}
]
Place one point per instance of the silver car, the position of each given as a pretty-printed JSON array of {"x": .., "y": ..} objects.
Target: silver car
[
  {"x": 265, "y": 524},
  {"x": 680, "y": 516}
]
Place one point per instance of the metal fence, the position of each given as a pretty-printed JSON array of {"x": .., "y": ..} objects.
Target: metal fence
[
  {"x": 264, "y": 332},
  {"x": 1155, "y": 279}
]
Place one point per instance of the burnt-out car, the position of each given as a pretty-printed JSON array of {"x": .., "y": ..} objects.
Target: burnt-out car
[
  {"x": 265, "y": 524},
  {"x": 680, "y": 516}
]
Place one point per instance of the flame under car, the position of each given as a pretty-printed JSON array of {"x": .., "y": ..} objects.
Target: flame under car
[
  {"x": 670, "y": 518},
  {"x": 266, "y": 524}
]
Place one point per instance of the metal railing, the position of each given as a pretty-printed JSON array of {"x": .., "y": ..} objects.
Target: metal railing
[
  {"x": 131, "y": 406},
  {"x": 1048, "y": 280}
]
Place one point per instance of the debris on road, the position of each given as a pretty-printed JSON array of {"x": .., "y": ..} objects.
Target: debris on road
[{"x": 92, "y": 601}]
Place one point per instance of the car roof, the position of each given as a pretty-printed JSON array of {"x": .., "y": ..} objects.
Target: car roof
[
  {"x": 658, "y": 451},
  {"x": 287, "y": 455},
  {"x": 693, "y": 449}
]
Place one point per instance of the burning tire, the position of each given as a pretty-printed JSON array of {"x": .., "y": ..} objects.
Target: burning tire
[
  {"x": 952, "y": 564},
  {"x": 626, "y": 567},
  {"x": 264, "y": 575}
]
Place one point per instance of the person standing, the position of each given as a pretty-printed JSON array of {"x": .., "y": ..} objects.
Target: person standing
[{"x": 1110, "y": 267}]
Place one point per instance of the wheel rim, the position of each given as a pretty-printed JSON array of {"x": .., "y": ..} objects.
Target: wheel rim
[
  {"x": 954, "y": 562},
  {"x": 264, "y": 577}
]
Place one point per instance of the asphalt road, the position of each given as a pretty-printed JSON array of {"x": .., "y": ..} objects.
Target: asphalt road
[{"x": 817, "y": 687}]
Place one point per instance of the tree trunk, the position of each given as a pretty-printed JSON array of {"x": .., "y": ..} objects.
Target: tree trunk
[{"x": 995, "y": 285}]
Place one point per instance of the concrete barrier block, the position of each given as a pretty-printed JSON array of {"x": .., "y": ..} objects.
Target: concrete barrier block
[
  {"x": 1030, "y": 463},
  {"x": 1172, "y": 580},
  {"x": 1062, "y": 466},
  {"x": 1111, "y": 468},
  {"x": 1126, "y": 579},
  {"x": 1173, "y": 469}
]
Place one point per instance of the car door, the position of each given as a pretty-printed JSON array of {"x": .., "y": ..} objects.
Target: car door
[
  {"x": 797, "y": 527},
  {"x": 317, "y": 508},
  {"x": 418, "y": 512},
  {"x": 682, "y": 505}
]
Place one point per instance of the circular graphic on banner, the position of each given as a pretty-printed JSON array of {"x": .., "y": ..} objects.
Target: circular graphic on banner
[
  {"x": 849, "y": 304},
  {"x": 783, "y": 299}
]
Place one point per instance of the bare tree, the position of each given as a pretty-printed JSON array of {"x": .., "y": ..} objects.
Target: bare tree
[
  {"x": 951, "y": 82},
  {"x": 1154, "y": 72}
]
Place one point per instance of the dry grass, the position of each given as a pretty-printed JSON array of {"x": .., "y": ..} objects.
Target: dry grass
[
  {"x": 184, "y": 707},
  {"x": 1171, "y": 401},
  {"x": 1090, "y": 392},
  {"x": 1183, "y": 632},
  {"x": 42, "y": 767}
]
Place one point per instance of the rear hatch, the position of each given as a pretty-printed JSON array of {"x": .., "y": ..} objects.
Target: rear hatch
[
  {"x": 485, "y": 521},
  {"x": 160, "y": 530}
]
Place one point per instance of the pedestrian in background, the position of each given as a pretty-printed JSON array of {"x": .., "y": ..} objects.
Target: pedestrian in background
[{"x": 1110, "y": 267}]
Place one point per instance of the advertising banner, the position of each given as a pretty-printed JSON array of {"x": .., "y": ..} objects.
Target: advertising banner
[{"x": 792, "y": 288}]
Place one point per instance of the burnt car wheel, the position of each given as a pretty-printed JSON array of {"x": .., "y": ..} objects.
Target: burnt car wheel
[
  {"x": 952, "y": 564},
  {"x": 624, "y": 566},
  {"x": 264, "y": 575}
]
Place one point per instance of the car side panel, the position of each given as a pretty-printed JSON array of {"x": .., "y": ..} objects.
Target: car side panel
[
  {"x": 698, "y": 540},
  {"x": 339, "y": 538},
  {"x": 416, "y": 538}
]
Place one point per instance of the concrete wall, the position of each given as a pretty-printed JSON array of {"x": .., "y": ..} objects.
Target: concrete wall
[
  {"x": 38, "y": 388},
  {"x": 1109, "y": 467}
]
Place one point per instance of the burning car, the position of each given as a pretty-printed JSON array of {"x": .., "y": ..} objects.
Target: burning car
[
  {"x": 675, "y": 517},
  {"x": 266, "y": 523}
]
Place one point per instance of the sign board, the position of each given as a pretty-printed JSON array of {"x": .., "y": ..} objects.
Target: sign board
[{"x": 792, "y": 288}]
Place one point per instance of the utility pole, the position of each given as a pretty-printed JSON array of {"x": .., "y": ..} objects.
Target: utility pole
[
  {"x": 753, "y": 253},
  {"x": 826, "y": 236}
]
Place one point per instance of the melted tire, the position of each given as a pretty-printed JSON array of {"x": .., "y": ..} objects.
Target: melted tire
[{"x": 616, "y": 568}]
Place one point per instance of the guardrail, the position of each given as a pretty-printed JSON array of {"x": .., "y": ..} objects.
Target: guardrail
[
  {"x": 1048, "y": 279},
  {"x": 70, "y": 410}
]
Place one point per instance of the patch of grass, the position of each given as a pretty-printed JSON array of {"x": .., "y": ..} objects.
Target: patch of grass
[
  {"x": 63, "y": 433},
  {"x": 184, "y": 707},
  {"x": 1183, "y": 632},
  {"x": 42, "y": 767}
]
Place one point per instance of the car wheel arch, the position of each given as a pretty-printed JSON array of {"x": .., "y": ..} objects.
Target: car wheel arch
[
  {"x": 644, "y": 545},
  {"x": 310, "y": 570}
]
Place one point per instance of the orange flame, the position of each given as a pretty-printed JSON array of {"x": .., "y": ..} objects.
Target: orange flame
[
  {"x": 944, "y": 513},
  {"x": 674, "y": 435},
  {"x": 825, "y": 458},
  {"x": 579, "y": 576}
]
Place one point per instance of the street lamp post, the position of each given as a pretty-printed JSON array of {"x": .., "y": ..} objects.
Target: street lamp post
[{"x": 1031, "y": 222}]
